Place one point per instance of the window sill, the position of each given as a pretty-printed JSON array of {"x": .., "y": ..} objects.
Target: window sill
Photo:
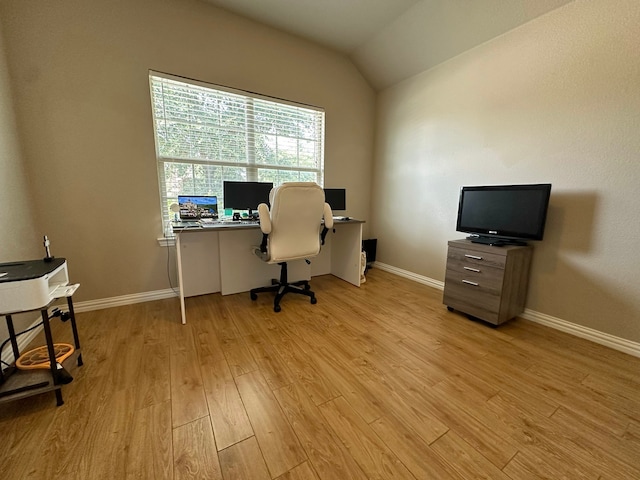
[{"x": 166, "y": 241}]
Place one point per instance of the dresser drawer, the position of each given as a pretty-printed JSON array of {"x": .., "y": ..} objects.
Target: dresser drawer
[
  {"x": 486, "y": 278},
  {"x": 463, "y": 256},
  {"x": 478, "y": 301},
  {"x": 486, "y": 282}
]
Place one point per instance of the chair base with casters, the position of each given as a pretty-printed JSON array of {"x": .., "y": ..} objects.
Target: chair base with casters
[{"x": 283, "y": 286}]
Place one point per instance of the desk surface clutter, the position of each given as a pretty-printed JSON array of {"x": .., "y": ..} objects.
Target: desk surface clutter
[{"x": 243, "y": 223}]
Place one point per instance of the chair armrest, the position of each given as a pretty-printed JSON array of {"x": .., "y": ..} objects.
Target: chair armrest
[
  {"x": 328, "y": 216},
  {"x": 265, "y": 225},
  {"x": 265, "y": 218},
  {"x": 328, "y": 222}
]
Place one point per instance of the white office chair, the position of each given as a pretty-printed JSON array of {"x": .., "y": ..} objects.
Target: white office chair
[{"x": 292, "y": 230}]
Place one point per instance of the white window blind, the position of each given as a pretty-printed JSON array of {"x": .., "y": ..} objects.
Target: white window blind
[{"x": 206, "y": 134}]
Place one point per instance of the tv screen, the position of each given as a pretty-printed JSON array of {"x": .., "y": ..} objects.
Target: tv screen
[
  {"x": 336, "y": 198},
  {"x": 500, "y": 213}
]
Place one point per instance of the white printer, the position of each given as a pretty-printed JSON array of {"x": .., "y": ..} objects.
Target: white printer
[{"x": 33, "y": 284}]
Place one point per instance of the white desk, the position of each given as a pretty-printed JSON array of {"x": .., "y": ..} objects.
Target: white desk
[{"x": 220, "y": 258}]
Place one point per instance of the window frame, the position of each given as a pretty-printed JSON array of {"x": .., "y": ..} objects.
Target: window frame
[{"x": 250, "y": 166}]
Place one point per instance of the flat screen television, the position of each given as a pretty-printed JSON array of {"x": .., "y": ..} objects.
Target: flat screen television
[{"x": 503, "y": 214}]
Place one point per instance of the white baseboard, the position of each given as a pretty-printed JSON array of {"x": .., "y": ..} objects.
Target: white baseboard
[
  {"x": 410, "y": 275},
  {"x": 596, "y": 336},
  {"x": 99, "y": 304}
]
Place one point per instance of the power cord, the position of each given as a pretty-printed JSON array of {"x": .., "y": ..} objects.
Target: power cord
[{"x": 17, "y": 335}]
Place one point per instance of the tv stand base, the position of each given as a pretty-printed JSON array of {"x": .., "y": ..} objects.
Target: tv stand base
[{"x": 495, "y": 241}]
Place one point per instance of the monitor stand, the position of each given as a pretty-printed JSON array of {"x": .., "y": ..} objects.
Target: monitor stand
[
  {"x": 495, "y": 241},
  {"x": 253, "y": 215}
]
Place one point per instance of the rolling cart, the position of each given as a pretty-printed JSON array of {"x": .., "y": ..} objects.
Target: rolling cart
[{"x": 30, "y": 286}]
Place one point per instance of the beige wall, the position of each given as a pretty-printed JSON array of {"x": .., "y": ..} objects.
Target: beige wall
[
  {"x": 19, "y": 238},
  {"x": 79, "y": 72},
  {"x": 556, "y": 100}
]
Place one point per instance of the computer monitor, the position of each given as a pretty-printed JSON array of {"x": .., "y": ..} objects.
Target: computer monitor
[
  {"x": 195, "y": 207},
  {"x": 336, "y": 198},
  {"x": 246, "y": 195}
]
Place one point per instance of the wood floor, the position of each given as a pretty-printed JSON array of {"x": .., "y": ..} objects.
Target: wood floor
[{"x": 377, "y": 382}]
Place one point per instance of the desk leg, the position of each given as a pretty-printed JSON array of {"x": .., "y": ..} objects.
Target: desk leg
[
  {"x": 180, "y": 282},
  {"x": 52, "y": 354},
  {"x": 346, "y": 247}
]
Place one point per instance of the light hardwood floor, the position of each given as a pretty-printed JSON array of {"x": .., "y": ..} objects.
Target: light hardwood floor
[{"x": 374, "y": 382}]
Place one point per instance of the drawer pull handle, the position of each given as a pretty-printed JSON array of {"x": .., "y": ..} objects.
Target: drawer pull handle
[
  {"x": 472, "y": 269},
  {"x": 475, "y": 257},
  {"x": 468, "y": 282}
]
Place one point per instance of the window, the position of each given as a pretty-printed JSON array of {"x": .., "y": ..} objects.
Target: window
[{"x": 206, "y": 134}]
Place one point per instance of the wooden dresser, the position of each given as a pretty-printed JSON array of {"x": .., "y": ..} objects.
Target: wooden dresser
[{"x": 485, "y": 281}]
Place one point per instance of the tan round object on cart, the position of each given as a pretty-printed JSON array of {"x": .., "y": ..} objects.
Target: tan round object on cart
[{"x": 39, "y": 357}]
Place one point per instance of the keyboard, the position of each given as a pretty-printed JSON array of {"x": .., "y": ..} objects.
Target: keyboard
[
  {"x": 240, "y": 222},
  {"x": 185, "y": 224}
]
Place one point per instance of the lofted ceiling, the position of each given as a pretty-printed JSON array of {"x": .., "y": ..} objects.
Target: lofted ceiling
[{"x": 391, "y": 40}]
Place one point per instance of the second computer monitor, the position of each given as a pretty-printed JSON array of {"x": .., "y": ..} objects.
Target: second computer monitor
[
  {"x": 246, "y": 195},
  {"x": 336, "y": 198}
]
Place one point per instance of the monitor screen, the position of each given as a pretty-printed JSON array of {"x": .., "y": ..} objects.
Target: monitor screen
[
  {"x": 194, "y": 207},
  {"x": 507, "y": 211},
  {"x": 246, "y": 195},
  {"x": 336, "y": 198}
]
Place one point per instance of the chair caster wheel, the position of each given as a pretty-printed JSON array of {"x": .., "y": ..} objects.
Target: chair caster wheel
[
  {"x": 253, "y": 296},
  {"x": 307, "y": 286},
  {"x": 277, "y": 308},
  {"x": 313, "y": 300}
]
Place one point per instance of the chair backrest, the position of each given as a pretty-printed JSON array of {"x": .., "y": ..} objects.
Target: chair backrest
[{"x": 296, "y": 213}]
